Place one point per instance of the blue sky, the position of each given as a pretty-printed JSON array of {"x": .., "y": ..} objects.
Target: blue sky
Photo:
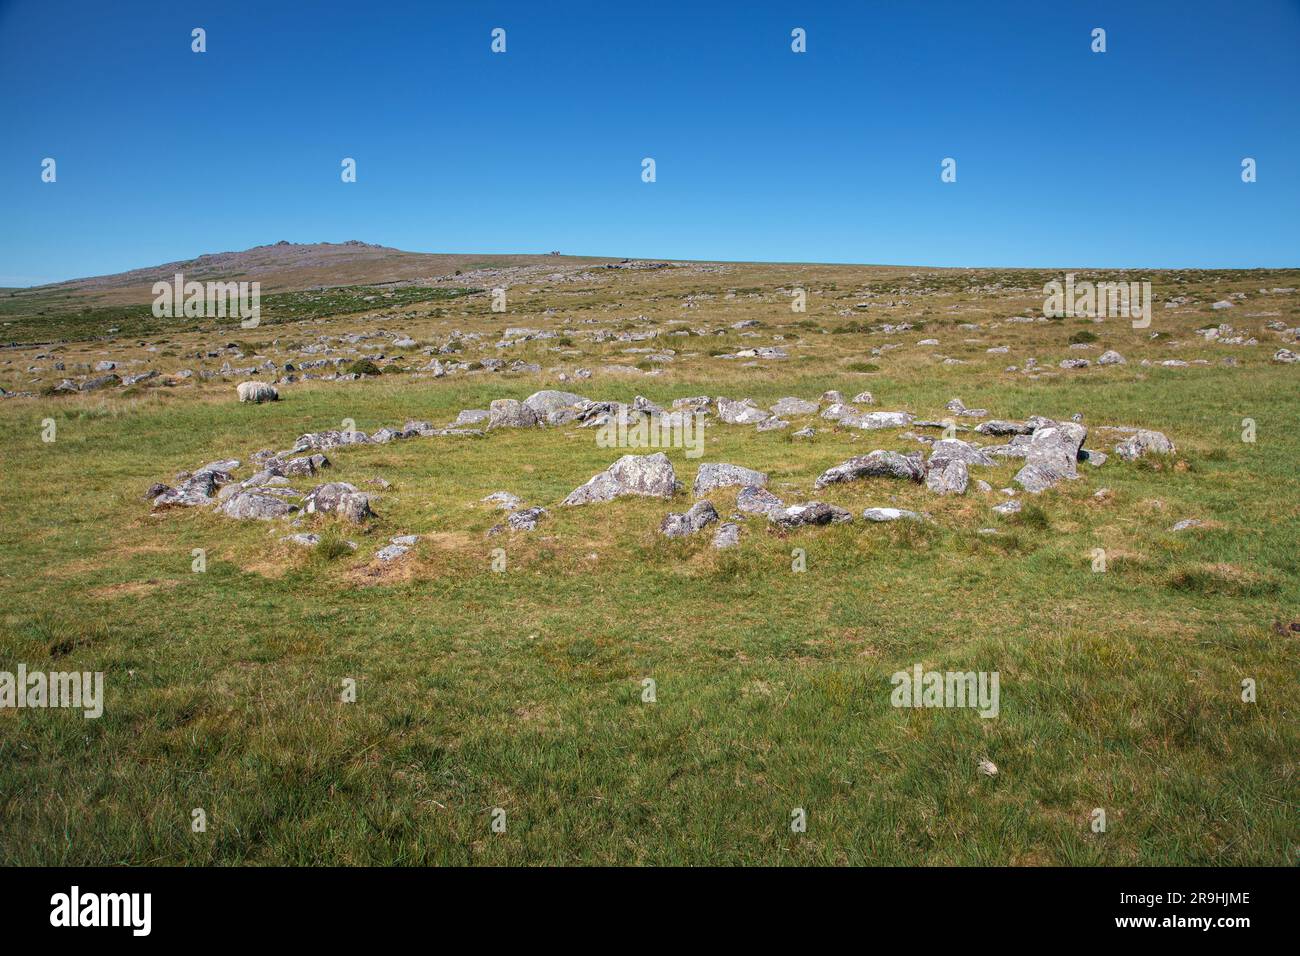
[{"x": 1064, "y": 157}]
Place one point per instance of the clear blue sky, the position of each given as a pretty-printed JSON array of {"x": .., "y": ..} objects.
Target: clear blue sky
[{"x": 1065, "y": 157}]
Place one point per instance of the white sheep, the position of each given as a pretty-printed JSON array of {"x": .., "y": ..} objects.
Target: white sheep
[{"x": 257, "y": 392}]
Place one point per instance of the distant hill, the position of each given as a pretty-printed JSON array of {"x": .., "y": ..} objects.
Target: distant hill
[{"x": 290, "y": 267}]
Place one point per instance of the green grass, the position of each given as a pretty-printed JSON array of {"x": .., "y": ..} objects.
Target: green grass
[{"x": 523, "y": 690}]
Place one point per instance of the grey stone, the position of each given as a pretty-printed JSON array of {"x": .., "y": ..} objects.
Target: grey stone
[
  {"x": 644, "y": 475},
  {"x": 700, "y": 515},
  {"x": 872, "y": 420},
  {"x": 810, "y": 513},
  {"x": 1145, "y": 442},
  {"x": 256, "y": 505},
  {"x": 472, "y": 416},
  {"x": 891, "y": 514},
  {"x": 391, "y": 552},
  {"x": 526, "y": 520},
  {"x": 950, "y": 477},
  {"x": 794, "y": 407},
  {"x": 508, "y": 413},
  {"x": 727, "y": 536},
  {"x": 740, "y": 412},
  {"x": 720, "y": 475},
  {"x": 754, "y": 500},
  {"x": 548, "y": 401},
  {"x": 954, "y": 449},
  {"x": 1000, "y": 427},
  {"x": 877, "y": 464}
]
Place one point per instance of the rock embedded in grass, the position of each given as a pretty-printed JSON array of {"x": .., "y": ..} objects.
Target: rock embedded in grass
[
  {"x": 727, "y": 536},
  {"x": 891, "y": 514},
  {"x": 340, "y": 498},
  {"x": 810, "y": 513},
  {"x": 713, "y": 475},
  {"x": 525, "y": 520},
  {"x": 256, "y": 505},
  {"x": 743, "y": 412},
  {"x": 649, "y": 476},
  {"x": 700, "y": 515},
  {"x": 1145, "y": 442},
  {"x": 509, "y": 413},
  {"x": 753, "y": 499},
  {"x": 873, "y": 420},
  {"x": 949, "y": 477},
  {"x": 877, "y": 464},
  {"x": 794, "y": 407}
]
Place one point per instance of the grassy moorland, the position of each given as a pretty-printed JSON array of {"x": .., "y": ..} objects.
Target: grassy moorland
[{"x": 522, "y": 690}]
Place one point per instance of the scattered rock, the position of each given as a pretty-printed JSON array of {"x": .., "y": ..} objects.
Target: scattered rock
[
  {"x": 794, "y": 407},
  {"x": 727, "y": 536},
  {"x": 811, "y": 513},
  {"x": 877, "y": 464},
  {"x": 645, "y": 475},
  {"x": 1144, "y": 442},
  {"x": 719, "y": 475},
  {"x": 508, "y": 413},
  {"x": 755, "y": 500},
  {"x": 256, "y": 505},
  {"x": 525, "y": 520},
  {"x": 950, "y": 477},
  {"x": 700, "y": 515},
  {"x": 891, "y": 514},
  {"x": 503, "y": 500}
]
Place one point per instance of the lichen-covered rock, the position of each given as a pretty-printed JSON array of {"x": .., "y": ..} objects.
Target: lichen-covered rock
[
  {"x": 193, "y": 491},
  {"x": 700, "y": 515},
  {"x": 999, "y": 426},
  {"x": 258, "y": 505},
  {"x": 1052, "y": 454},
  {"x": 727, "y": 536},
  {"x": 720, "y": 475},
  {"x": 525, "y": 520},
  {"x": 891, "y": 514},
  {"x": 649, "y": 476},
  {"x": 549, "y": 402},
  {"x": 878, "y": 464},
  {"x": 812, "y": 512},
  {"x": 954, "y": 449},
  {"x": 755, "y": 500},
  {"x": 950, "y": 477},
  {"x": 503, "y": 500},
  {"x": 315, "y": 441},
  {"x": 472, "y": 416},
  {"x": 1144, "y": 442},
  {"x": 508, "y": 413},
  {"x": 340, "y": 498},
  {"x": 794, "y": 407},
  {"x": 743, "y": 412},
  {"x": 1110, "y": 357},
  {"x": 872, "y": 420}
]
